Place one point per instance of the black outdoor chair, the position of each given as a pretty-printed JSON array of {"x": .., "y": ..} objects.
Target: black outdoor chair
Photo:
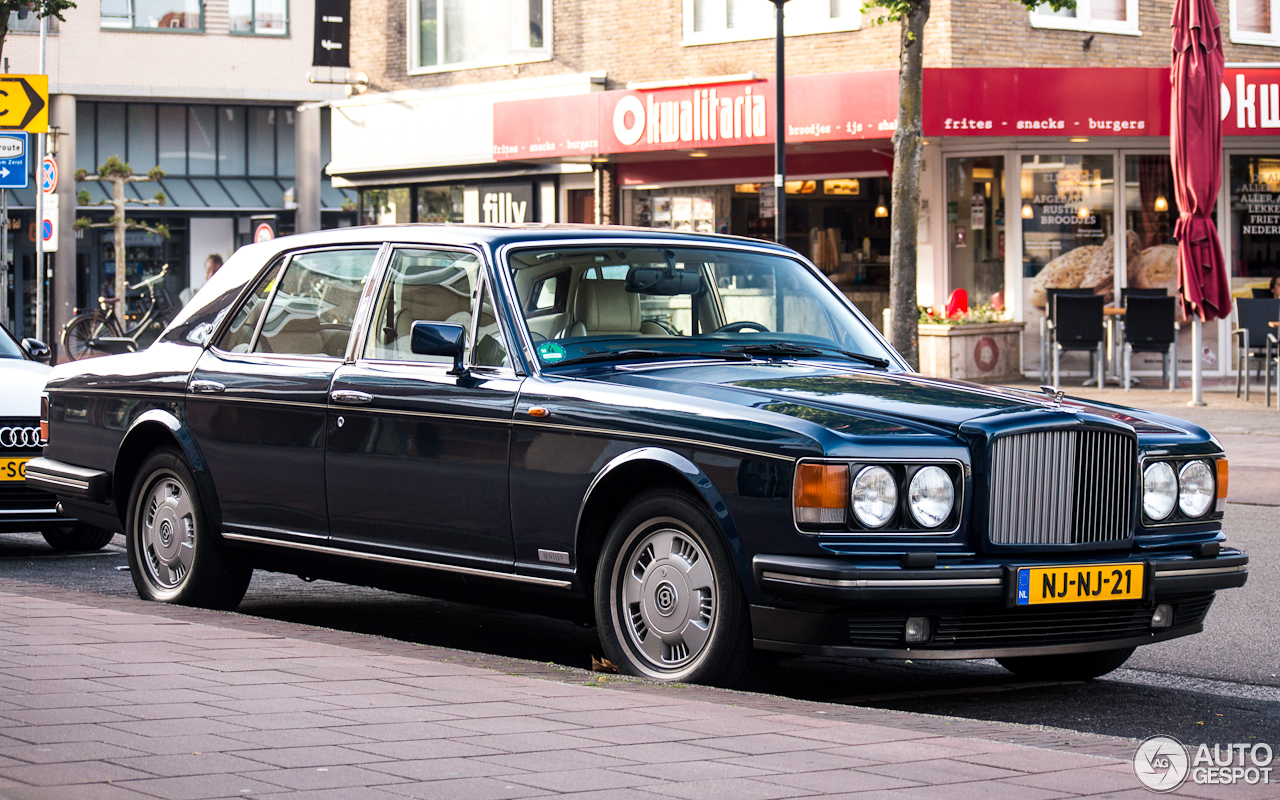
[
  {"x": 1251, "y": 331},
  {"x": 1078, "y": 326},
  {"x": 1262, "y": 294},
  {"x": 1151, "y": 326},
  {"x": 1046, "y": 326},
  {"x": 1126, "y": 293},
  {"x": 1272, "y": 364}
]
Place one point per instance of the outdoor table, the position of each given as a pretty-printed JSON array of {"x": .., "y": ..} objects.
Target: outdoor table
[{"x": 1113, "y": 316}]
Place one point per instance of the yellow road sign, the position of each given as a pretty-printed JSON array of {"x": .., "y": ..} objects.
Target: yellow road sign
[{"x": 24, "y": 103}]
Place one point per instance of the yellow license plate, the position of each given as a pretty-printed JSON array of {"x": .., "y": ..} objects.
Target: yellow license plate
[
  {"x": 1084, "y": 583},
  {"x": 13, "y": 469}
]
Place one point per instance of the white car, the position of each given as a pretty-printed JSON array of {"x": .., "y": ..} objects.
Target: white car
[{"x": 23, "y": 509}]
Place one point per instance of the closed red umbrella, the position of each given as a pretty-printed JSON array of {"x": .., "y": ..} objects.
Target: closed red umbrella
[{"x": 1196, "y": 143}]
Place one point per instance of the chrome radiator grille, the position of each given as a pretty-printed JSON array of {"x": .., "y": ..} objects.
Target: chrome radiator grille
[{"x": 1062, "y": 487}]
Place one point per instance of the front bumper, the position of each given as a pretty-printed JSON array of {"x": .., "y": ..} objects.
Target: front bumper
[{"x": 833, "y": 608}]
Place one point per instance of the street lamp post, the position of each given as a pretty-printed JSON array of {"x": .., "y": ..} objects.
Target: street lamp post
[{"x": 780, "y": 133}]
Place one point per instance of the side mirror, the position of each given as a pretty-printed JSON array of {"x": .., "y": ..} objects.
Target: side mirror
[
  {"x": 36, "y": 349},
  {"x": 439, "y": 339}
]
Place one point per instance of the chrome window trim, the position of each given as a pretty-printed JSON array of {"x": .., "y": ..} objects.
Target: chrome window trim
[
  {"x": 1211, "y": 515},
  {"x": 882, "y": 532},
  {"x": 397, "y": 560},
  {"x": 503, "y": 253}
]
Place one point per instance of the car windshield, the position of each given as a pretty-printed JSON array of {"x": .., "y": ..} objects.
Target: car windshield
[
  {"x": 9, "y": 347},
  {"x": 624, "y": 301}
]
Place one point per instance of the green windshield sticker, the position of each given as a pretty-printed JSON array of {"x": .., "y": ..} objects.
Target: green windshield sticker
[{"x": 550, "y": 351}]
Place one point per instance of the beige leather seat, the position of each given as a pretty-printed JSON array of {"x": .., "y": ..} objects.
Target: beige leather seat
[{"x": 605, "y": 308}]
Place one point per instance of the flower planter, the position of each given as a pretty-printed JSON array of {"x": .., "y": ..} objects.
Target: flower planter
[{"x": 981, "y": 352}]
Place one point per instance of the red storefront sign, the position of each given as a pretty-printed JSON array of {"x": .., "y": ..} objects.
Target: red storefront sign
[
  {"x": 1041, "y": 101},
  {"x": 839, "y": 107}
]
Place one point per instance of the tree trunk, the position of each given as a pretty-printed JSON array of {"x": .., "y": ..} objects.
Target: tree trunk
[
  {"x": 4, "y": 31},
  {"x": 903, "y": 332},
  {"x": 122, "y": 270}
]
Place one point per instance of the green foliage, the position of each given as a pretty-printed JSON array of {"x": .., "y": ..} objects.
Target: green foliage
[
  {"x": 37, "y": 8},
  {"x": 82, "y": 196},
  {"x": 113, "y": 167},
  {"x": 895, "y": 10},
  {"x": 80, "y": 224},
  {"x": 160, "y": 198}
]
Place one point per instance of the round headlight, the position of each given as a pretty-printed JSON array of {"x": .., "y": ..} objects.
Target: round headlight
[
  {"x": 1195, "y": 488},
  {"x": 875, "y": 496},
  {"x": 931, "y": 496},
  {"x": 1159, "y": 490}
]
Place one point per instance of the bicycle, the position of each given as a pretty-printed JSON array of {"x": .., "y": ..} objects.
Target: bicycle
[{"x": 95, "y": 333}]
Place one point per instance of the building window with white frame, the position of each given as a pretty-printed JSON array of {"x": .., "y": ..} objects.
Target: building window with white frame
[
  {"x": 1098, "y": 16},
  {"x": 175, "y": 15},
  {"x": 1252, "y": 22},
  {"x": 259, "y": 17},
  {"x": 715, "y": 21},
  {"x": 463, "y": 34}
]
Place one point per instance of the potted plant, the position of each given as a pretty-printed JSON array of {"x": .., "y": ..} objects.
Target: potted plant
[{"x": 981, "y": 344}]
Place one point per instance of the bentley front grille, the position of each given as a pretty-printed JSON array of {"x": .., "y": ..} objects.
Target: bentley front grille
[{"x": 1062, "y": 487}]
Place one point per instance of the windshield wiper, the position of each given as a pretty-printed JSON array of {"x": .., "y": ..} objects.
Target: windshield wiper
[
  {"x": 790, "y": 349},
  {"x": 612, "y": 355}
]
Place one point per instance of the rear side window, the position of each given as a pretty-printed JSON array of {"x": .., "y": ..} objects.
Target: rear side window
[
  {"x": 315, "y": 304},
  {"x": 239, "y": 335}
]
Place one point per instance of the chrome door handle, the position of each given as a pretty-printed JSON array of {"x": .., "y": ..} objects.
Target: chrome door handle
[
  {"x": 350, "y": 398},
  {"x": 207, "y": 387}
]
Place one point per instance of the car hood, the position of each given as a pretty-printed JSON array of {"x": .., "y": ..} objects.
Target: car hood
[
  {"x": 838, "y": 397},
  {"x": 23, "y": 381}
]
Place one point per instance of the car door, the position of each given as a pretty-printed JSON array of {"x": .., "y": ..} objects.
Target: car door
[
  {"x": 417, "y": 456},
  {"x": 257, "y": 399}
]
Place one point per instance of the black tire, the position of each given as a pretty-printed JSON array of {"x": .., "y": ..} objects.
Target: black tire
[
  {"x": 80, "y": 330},
  {"x": 667, "y": 584},
  {"x": 78, "y": 537},
  {"x": 174, "y": 554},
  {"x": 1076, "y": 667}
]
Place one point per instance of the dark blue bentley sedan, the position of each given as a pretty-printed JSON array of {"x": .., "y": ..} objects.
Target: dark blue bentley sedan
[{"x": 695, "y": 440}]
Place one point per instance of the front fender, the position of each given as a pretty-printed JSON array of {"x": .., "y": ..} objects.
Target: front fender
[{"x": 693, "y": 476}]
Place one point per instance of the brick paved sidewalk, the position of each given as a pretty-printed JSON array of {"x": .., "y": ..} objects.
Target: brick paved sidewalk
[{"x": 110, "y": 698}]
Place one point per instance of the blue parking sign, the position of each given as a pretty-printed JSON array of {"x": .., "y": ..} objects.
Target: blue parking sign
[{"x": 13, "y": 160}]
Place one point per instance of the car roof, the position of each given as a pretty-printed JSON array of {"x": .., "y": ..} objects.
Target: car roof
[{"x": 494, "y": 236}]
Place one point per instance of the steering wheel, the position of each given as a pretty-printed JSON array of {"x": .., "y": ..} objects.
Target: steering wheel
[{"x": 736, "y": 327}]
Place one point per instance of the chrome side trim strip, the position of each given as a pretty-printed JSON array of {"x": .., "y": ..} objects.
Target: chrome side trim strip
[
  {"x": 1205, "y": 571},
  {"x": 405, "y": 562},
  {"x": 58, "y": 480},
  {"x": 867, "y": 583},
  {"x": 29, "y": 511}
]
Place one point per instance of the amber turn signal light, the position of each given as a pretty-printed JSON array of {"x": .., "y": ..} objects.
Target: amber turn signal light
[
  {"x": 1222, "y": 484},
  {"x": 822, "y": 493},
  {"x": 44, "y": 419}
]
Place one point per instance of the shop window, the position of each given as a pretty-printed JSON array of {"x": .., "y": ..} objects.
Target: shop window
[
  {"x": 464, "y": 34},
  {"x": 1255, "y": 227},
  {"x": 440, "y": 204},
  {"x": 169, "y": 15},
  {"x": 1100, "y": 16},
  {"x": 1251, "y": 22},
  {"x": 260, "y": 17},
  {"x": 713, "y": 21},
  {"x": 1068, "y": 218}
]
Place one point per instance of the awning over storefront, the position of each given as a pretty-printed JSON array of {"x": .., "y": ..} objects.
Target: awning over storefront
[{"x": 201, "y": 194}]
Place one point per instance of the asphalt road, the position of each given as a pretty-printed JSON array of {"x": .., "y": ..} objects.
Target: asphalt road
[{"x": 1218, "y": 686}]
